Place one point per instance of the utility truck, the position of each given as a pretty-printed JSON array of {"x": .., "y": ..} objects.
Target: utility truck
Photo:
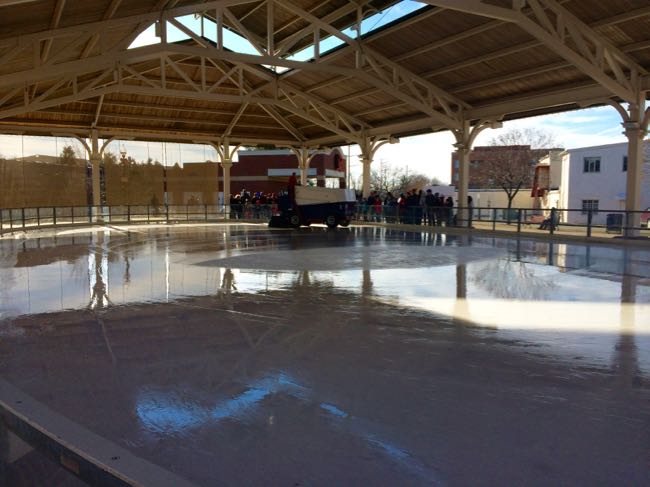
[{"x": 307, "y": 204}]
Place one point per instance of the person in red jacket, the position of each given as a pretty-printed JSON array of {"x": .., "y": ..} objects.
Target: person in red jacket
[{"x": 293, "y": 181}]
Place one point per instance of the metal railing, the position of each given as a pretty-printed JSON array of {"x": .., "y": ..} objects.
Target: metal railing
[
  {"x": 16, "y": 219},
  {"x": 563, "y": 221},
  {"x": 557, "y": 221}
]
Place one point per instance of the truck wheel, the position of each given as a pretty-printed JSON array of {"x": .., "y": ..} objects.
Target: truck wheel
[
  {"x": 344, "y": 223},
  {"x": 294, "y": 220},
  {"x": 330, "y": 221}
]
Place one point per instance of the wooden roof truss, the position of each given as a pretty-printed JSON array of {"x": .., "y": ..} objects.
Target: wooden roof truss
[{"x": 67, "y": 64}]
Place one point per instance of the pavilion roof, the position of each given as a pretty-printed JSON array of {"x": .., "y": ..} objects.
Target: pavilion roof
[{"x": 66, "y": 67}]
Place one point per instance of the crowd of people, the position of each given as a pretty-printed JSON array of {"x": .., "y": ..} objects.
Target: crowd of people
[
  {"x": 253, "y": 205},
  {"x": 415, "y": 207}
]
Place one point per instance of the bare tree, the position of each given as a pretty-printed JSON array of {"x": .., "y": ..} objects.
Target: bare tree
[
  {"x": 413, "y": 180},
  {"x": 514, "y": 167},
  {"x": 387, "y": 178},
  {"x": 512, "y": 280},
  {"x": 535, "y": 138}
]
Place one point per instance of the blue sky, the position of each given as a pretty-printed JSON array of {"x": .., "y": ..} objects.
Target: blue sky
[
  {"x": 431, "y": 154},
  {"x": 238, "y": 43}
]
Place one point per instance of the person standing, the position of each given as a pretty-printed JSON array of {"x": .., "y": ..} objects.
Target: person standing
[
  {"x": 378, "y": 208},
  {"x": 401, "y": 208},
  {"x": 470, "y": 211},
  {"x": 449, "y": 210},
  {"x": 439, "y": 208},
  {"x": 390, "y": 208},
  {"x": 421, "y": 213},
  {"x": 370, "y": 206},
  {"x": 430, "y": 203},
  {"x": 411, "y": 207},
  {"x": 293, "y": 181}
]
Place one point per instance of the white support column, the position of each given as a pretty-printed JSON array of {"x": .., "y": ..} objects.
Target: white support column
[
  {"x": 95, "y": 161},
  {"x": 465, "y": 138},
  {"x": 463, "y": 148},
  {"x": 369, "y": 147},
  {"x": 303, "y": 163},
  {"x": 226, "y": 154},
  {"x": 305, "y": 157},
  {"x": 94, "y": 154},
  {"x": 635, "y": 123},
  {"x": 226, "y": 165},
  {"x": 366, "y": 162},
  {"x": 635, "y": 151}
]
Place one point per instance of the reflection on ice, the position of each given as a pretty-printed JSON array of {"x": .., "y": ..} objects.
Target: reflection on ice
[
  {"x": 500, "y": 283},
  {"x": 391, "y": 450},
  {"x": 406, "y": 357},
  {"x": 169, "y": 413},
  {"x": 566, "y": 316},
  {"x": 330, "y": 408}
]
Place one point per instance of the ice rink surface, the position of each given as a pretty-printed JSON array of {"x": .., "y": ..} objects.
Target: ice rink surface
[{"x": 241, "y": 355}]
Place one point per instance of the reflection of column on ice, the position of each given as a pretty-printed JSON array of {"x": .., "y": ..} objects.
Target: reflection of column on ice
[
  {"x": 99, "y": 285},
  {"x": 625, "y": 361},
  {"x": 227, "y": 242},
  {"x": 98, "y": 273},
  {"x": 461, "y": 308},
  {"x": 461, "y": 311},
  {"x": 366, "y": 284},
  {"x": 167, "y": 272}
]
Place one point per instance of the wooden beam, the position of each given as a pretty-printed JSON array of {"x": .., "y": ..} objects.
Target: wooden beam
[{"x": 56, "y": 19}]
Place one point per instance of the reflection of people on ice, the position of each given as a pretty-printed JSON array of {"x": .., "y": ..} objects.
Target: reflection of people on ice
[{"x": 293, "y": 181}]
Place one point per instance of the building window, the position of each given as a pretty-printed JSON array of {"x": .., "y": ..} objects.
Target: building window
[
  {"x": 624, "y": 163},
  {"x": 589, "y": 205},
  {"x": 475, "y": 164},
  {"x": 592, "y": 164},
  {"x": 456, "y": 164}
]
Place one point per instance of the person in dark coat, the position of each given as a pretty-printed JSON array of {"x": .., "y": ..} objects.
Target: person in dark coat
[
  {"x": 411, "y": 204},
  {"x": 370, "y": 205},
  {"x": 449, "y": 210},
  {"x": 430, "y": 205},
  {"x": 419, "y": 208}
]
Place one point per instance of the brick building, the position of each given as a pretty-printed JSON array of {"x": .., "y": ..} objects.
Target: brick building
[
  {"x": 269, "y": 170},
  {"x": 483, "y": 156}
]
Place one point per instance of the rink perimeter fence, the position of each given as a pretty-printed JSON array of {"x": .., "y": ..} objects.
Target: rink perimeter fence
[{"x": 558, "y": 221}]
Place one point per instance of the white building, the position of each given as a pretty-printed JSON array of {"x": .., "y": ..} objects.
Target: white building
[{"x": 591, "y": 178}]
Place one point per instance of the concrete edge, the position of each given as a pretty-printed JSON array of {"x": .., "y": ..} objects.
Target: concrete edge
[{"x": 88, "y": 456}]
